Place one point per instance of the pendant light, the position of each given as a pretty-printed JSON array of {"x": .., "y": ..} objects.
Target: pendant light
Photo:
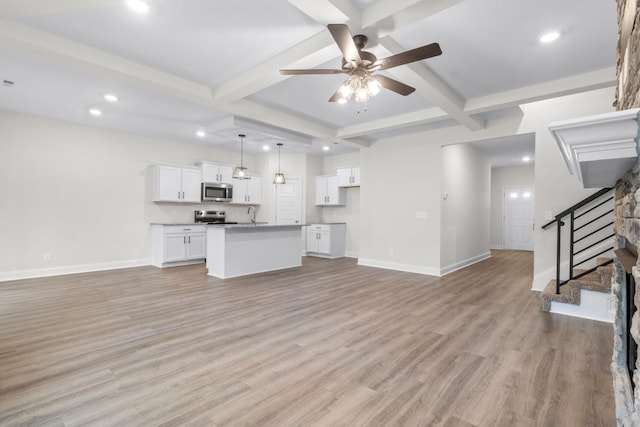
[
  {"x": 279, "y": 178},
  {"x": 240, "y": 172}
]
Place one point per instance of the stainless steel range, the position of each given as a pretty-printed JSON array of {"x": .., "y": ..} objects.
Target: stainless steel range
[{"x": 211, "y": 217}]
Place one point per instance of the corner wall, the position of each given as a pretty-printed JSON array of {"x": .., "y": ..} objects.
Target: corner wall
[{"x": 465, "y": 215}]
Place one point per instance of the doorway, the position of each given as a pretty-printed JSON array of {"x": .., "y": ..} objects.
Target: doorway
[
  {"x": 518, "y": 218},
  {"x": 289, "y": 202}
]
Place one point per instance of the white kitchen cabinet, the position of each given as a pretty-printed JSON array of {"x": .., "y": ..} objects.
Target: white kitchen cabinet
[
  {"x": 349, "y": 177},
  {"x": 173, "y": 245},
  {"x": 216, "y": 173},
  {"x": 328, "y": 193},
  {"x": 176, "y": 184},
  {"x": 326, "y": 240},
  {"x": 247, "y": 191}
]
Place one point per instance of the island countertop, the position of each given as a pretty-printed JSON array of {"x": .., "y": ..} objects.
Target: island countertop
[{"x": 240, "y": 249}]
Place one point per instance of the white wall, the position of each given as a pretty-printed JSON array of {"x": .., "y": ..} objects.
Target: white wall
[
  {"x": 510, "y": 176},
  {"x": 465, "y": 214},
  {"x": 399, "y": 177},
  {"x": 82, "y": 194},
  {"x": 555, "y": 188}
]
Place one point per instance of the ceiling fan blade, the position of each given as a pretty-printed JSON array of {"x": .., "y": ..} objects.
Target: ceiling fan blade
[
  {"x": 312, "y": 71},
  {"x": 394, "y": 85},
  {"x": 344, "y": 40},
  {"x": 413, "y": 55}
]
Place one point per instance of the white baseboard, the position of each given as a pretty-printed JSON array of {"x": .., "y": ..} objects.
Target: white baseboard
[
  {"x": 430, "y": 271},
  {"x": 72, "y": 269},
  {"x": 462, "y": 264},
  {"x": 351, "y": 254},
  {"x": 496, "y": 247}
]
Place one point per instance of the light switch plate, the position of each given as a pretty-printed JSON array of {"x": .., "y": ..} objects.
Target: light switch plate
[
  {"x": 422, "y": 214},
  {"x": 548, "y": 215}
]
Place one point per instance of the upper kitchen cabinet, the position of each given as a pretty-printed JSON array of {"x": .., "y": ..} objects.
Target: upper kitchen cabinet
[
  {"x": 247, "y": 191},
  {"x": 328, "y": 193},
  {"x": 212, "y": 172},
  {"x": 349, "y": 177},
  {"x": 176, "y": 184}
]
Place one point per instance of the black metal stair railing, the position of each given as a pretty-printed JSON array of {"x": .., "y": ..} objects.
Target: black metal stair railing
[{"x": 586, "y": 219}]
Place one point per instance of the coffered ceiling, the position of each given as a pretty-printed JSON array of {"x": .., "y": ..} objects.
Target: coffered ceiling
[{"x": 212, "y": 66}]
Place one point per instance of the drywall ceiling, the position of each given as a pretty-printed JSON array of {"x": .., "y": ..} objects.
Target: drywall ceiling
[{"x": 212, "y": 66}]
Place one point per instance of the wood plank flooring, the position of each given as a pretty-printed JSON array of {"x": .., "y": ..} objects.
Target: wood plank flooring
[{"x": 327, "y": 344}]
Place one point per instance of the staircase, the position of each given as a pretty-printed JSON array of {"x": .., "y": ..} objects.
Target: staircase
[
  {"x": 586, "y": 292},
  {"x": 570, "y": 299}
]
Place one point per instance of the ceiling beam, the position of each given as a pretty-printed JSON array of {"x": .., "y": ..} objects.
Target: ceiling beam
[
  {"x": 598, "y": 79},
  {"x": 259, "y": 112},
  {"x": 390, "y": 15},
  {"x": 432, "y": 87},
  {"x": 328, "y": 11},
  {"x": 420, "y": 117},
  {"x": 23, "y": 38},
  {"x": 315, "y": 50},
  {"x": 24, "y": 8}
]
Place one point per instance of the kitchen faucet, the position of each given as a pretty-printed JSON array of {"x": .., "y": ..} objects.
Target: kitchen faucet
[{"x": 252, "y": 211}]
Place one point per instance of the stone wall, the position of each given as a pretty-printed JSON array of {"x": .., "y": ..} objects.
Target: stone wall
[
  {"x": 627, "y": 228},
  {"x": 628, "y": 55}
]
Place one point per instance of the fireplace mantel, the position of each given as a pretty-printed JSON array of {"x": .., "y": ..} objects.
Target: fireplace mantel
[{"x": 599, "y": 149}]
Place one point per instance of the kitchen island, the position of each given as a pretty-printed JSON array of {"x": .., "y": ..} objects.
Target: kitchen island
[{"x": 240, "y": 249}]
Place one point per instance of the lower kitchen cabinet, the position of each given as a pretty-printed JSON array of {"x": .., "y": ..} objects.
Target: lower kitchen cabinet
[
  {"x": 173, "y": 245},
  {"x": 326, "y": 240}
]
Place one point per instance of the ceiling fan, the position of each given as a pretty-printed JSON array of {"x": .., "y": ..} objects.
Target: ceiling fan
[{"x": 361, "y": 65}]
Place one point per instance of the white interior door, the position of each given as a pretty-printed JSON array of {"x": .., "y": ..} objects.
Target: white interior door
[
  {"x": 289, "y": 202},
  {"x": 518, "y": 218}
]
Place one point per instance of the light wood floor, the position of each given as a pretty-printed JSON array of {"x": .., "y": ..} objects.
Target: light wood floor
[{"x": 328, "y": 344}]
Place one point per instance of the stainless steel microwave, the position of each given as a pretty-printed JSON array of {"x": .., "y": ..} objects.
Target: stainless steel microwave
[{"x": 217, "y": 192}]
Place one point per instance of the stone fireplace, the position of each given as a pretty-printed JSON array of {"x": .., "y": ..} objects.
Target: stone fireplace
[{"x": 626, "y": 378}]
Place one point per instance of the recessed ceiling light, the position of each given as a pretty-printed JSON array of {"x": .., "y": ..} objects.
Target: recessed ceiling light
[
  {"x": 138, "y": 6},
  {"x": 549, "y": 37},
  {"x": 325, "y": 148},
  {"x": 95, "y": 112},
  {"x": 526, "y": 159},
  {"x": 265, "y": 148},
  {"x": 111, "y": 97},
  {"x": 201, "y": 134}
]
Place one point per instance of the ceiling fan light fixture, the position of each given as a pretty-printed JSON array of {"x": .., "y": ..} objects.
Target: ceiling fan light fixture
[
  {"x": 362, "y": 95},
  {"x": 240, "y": 172},
  {"x": 350, "y": 87},
  {"x": 373, "y": 86}
]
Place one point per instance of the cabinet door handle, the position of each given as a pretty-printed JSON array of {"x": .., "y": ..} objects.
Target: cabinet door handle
[
  {"x": 178, "y": 195},
  {"x": 189, "y": 239},
  {"x": 184, "y": 240},
  {"x": 183, "y": 195}
]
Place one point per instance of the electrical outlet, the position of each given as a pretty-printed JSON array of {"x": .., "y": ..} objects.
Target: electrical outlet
[
  {"x": 422, "y": 215},
  {"x": 391, "y": 252},
  {"x": 612, "y": 305},
  {"x": 46, "y": 257}
]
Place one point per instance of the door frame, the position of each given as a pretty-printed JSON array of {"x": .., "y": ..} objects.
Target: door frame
[{"x": 504, "y": 213}]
